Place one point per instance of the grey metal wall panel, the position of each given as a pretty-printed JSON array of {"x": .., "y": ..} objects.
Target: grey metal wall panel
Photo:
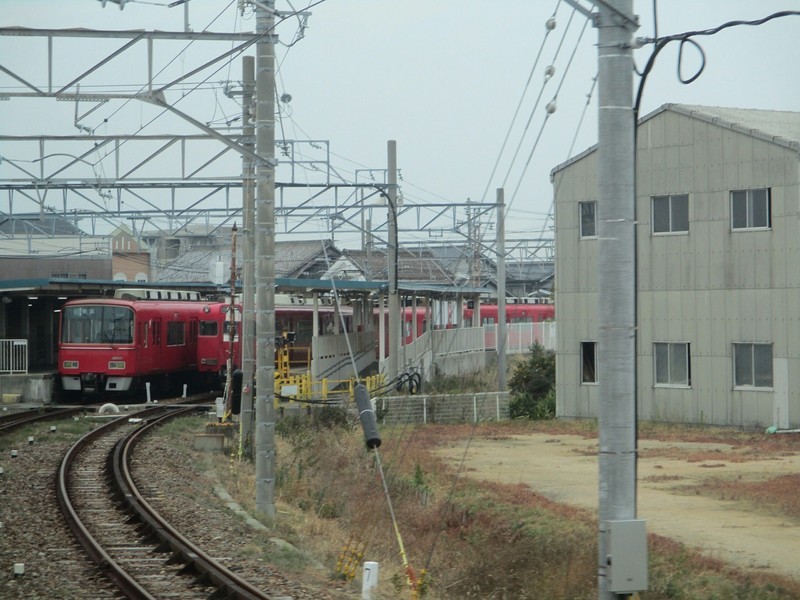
[{"x": 712, "y": 287}]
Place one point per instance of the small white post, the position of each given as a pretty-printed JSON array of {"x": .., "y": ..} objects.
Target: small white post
[
  {"x": 184, "y": 390},
  {"x": 370, "y": 579},
  {"x": 147, "y": 386}
]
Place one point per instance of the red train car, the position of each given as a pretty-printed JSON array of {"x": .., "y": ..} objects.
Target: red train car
[
  {"x": 218, "y": 342},
  {"x": 167, "y": 338},
  {"x": 515, "y": 313},
  {"x": 116, "y": 344}
]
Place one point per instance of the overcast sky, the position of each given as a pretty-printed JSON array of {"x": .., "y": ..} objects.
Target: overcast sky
[{"x": 442, "y": 77}]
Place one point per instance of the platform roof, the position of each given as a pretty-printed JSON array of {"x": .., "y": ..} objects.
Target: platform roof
[{"x": 101, "y": 287}]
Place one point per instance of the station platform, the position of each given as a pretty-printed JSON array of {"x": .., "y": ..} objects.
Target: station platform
[{"x": 35, "y": 387}]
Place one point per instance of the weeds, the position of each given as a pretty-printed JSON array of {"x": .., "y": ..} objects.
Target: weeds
[{"x": 474, "y": 539}]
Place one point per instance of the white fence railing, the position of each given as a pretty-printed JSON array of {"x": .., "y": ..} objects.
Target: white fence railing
[
  {"x": 464, "y": 350},
  {"x": 13, "y": 356},
  {"x": 521, "y": 336},
  {"x": 444, "y": 408}
]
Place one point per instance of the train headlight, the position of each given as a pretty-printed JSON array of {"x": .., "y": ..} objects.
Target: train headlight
[
  {"x": 116, "y": 364},
  {"x": 70, "y": 364}
]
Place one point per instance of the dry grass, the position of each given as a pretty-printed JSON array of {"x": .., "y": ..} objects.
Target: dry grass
[{"x": 480, "y": 540}]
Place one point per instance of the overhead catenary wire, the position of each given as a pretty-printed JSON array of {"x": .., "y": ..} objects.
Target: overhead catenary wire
[
  {"x": 549, "y": 27},
  {"x": 548, "y": 76},
  {"x": 571, "y": 149},
  {"x": 547, "y": 116}
]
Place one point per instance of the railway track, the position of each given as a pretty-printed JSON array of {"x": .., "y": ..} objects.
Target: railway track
[
  {"x": 124, "y": 535},
  {"x": 16, "y": 420}
]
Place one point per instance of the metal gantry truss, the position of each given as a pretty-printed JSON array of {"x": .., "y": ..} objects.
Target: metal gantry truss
[{"x": 170, "y": 179}]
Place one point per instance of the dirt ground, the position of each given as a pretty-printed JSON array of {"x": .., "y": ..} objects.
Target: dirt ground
[{"x": 564, "y": 469}]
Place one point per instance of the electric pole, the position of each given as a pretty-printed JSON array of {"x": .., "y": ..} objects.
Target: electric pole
[
  {"x": 265, "y": 258},
  {"x": 500, "y": 342},
  {"x": 622, "y": 547},
  {"x": 248, "y": 284},
  {"x": 395, "y": 321}
]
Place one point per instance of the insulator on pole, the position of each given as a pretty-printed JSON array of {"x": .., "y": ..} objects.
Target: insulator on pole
[{"x": 366, "y": 413}]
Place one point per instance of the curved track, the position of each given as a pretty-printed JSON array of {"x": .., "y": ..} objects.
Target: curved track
[{"x": 142, "y": 554}]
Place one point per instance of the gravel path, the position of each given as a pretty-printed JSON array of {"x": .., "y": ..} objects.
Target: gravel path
[{"x": 564, "y": 468}]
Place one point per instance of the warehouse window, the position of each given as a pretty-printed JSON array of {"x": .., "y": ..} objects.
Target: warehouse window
[
  {"x": 751, "y": 209},
  {"x": 670, "y": 214},
  {"x": 752, "y": 365},
  {"x": 588, "y": 362},
  {"x": 672, "y": 366},
  {"x": 588, "y": 219}
]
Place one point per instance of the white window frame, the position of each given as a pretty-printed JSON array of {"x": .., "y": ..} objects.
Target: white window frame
[
  {"x": 583, "y": 380},
  {"x": 671, "y": 200},
  {"x": 673, "y": 356},
  {"x": 740, "y": 381},
  {"x": 593, "y": 203},
  {"x": 750, "y": 207}
]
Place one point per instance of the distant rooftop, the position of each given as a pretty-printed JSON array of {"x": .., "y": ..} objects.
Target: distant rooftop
[{"x": 36, "y": 224}]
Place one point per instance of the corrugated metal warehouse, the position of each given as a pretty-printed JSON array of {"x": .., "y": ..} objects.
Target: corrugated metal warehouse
[{"x": 717, "y": 268}]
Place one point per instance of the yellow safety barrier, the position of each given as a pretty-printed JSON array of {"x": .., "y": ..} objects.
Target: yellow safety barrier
[{"x": 301, "y": 387}]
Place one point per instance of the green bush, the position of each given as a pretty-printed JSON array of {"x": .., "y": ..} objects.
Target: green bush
[{"x": 532, "y": 386}]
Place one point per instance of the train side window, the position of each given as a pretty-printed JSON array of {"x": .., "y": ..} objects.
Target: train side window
[
  {"x": 231, "y": 327},
  {"x": 304, "y": 333},
  {"x": 488, "y": 320},
  {"x": 146, "y": 333},
  {"x": 156, "y": 333},
  {"x": 176, "y": 333},
  {"x": 209, "y": 328}
]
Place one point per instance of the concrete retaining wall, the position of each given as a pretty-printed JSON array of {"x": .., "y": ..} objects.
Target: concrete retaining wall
[{"x": 37, "y": 387}]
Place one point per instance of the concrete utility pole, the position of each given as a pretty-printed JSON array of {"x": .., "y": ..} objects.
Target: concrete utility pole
[
  {"x": 622, "y": 549},
  {"x": 248, "y": 251},
  {"x": 394, "y": 296},
  {"x": 265, "y": 258},
  {"x": 501, "y": 290}
]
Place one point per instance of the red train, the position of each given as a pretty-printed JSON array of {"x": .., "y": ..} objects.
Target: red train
[
  {"x": 515, "y": 313},
  {"x": 115, "y": 344},
  {"x": 167, "y": 338}
]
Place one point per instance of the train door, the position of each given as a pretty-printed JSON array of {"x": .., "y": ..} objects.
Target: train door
[
  {"x": 191, "y": 341},
  {"x": 146, "y": 359},
  {"x": 155, "y": 350}
]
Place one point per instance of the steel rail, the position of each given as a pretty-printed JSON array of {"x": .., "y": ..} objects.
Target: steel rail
[
  {"x": 209, "y": 570},
  {"x": 129, "y": 586},
  {"x": 22, "y": 418}
]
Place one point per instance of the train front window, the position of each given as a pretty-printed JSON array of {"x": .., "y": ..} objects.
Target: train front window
[{"x": 97, "y": 325}]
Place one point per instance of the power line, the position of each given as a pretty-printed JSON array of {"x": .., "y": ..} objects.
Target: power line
[{"x": 550, "y": 25}]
